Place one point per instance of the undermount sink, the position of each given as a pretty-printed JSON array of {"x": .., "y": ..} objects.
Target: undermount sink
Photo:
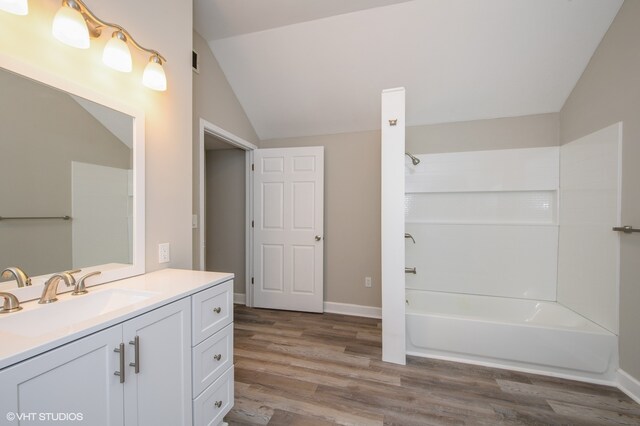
[{"x": 44, "y": 319}]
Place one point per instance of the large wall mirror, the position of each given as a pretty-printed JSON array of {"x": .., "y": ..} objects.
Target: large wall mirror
[{"x": 71, "y": 183}]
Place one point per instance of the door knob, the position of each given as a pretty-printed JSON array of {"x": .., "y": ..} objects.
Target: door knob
[{"x": 318, "y": 237}]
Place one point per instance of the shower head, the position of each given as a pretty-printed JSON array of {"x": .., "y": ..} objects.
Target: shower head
[{"x": 415, "y": 160}]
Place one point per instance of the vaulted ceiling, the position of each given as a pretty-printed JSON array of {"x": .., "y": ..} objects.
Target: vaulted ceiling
[{"x": 308, "y": 67}]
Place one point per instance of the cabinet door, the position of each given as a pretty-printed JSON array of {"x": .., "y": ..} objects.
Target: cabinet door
[
  {"x": 76, "y": 380},
  {"x": 160, "y": 393}
]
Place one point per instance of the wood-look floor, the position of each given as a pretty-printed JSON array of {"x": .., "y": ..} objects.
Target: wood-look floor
[{"x": 308, "y": 369}]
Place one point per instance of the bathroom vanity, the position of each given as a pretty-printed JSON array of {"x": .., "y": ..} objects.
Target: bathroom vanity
[{"x": 156, "y": 349}]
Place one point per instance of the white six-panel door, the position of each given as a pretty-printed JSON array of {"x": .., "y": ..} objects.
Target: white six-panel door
[{"x": 288, "y": 197}]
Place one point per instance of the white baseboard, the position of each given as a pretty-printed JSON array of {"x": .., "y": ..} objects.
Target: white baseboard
[
  {"x": 353, "y": 310},
  {"x": 629, "y": 385},
  {"x": 239, "y": 298}
]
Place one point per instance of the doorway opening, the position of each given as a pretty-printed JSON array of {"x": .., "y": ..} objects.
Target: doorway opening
[{"x": 224, "y": 207}]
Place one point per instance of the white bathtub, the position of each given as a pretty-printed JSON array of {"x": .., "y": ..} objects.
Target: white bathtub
[{"x": 519, "y": 334}]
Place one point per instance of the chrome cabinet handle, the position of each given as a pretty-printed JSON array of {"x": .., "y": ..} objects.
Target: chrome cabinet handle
[
  {"x": 217, "y": 357},
  {"x": 136, "y": 354},
  {"x": 120, "y": 350},
  {"x": 217, "y": 310},
  {"x": 218, "y": 404}
]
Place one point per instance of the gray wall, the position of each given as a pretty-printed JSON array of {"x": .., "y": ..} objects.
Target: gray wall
[
  {"x": 225, "y": 219},
  {"x": 352, "y": 189},
  {"x": 501, "y": 133},
  {"x": 608, "y": 92},
  {"x": 214, "y": 101},
  {"x": 42, "y": 131}
]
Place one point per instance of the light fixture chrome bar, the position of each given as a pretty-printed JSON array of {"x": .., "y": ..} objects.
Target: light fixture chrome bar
[
  {"x": 96, "y": 24},
  {"x": 35, "y": 217}
]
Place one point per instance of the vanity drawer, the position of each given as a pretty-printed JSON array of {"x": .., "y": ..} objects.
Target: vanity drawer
[
  {"x": 216, "y": 401},
  {"x": 211, "y": 358},
  {"x": 212, "y": 310}
]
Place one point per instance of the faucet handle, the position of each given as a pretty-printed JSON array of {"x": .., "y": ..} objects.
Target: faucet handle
[
  {"x": 11, "y": 303},
  {"x": 80, "y": 287},
  {"x": 72, "y": 279},
  {"x": 22, "y": 279}
]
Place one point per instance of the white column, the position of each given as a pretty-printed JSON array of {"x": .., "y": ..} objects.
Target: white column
[{"x": 393, "y": 297}]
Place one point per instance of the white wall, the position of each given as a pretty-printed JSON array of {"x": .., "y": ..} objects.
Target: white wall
[
  {"x": 392, "y": 229},
  {"x": 484, "y": 222},
  {"x": 167, "y": 27},
  {"x": 589, "y": 256}
]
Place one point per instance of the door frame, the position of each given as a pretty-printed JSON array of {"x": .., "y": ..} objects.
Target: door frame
[{"x": 210, "y": 128}]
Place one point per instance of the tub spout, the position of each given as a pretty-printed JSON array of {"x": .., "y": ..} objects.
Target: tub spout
[{"x": 410, "y": 270}]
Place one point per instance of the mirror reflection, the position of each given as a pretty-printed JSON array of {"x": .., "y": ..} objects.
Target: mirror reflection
[{"x": 62, "y": 156}]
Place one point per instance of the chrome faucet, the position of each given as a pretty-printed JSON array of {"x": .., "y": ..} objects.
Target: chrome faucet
[
  {"x": 407, "y": 235},
  {"x": 80, "y": 287},
  {"x": 21, "y": 278},
  {"x": 10, "y": 304},
  {"x": 51, "y": 287}
]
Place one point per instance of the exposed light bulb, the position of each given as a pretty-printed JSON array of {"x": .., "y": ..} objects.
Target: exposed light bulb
[
  {"x": 69, "y": 26},
  {"x": 17, "y": 7},
  {"x": 154, "y": 77},
  {"x": 116, "y": 53}
]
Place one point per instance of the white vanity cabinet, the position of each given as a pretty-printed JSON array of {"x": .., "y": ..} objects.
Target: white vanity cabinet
[
  {"x": 174, "y": 366},
  {"x": 76, "y": 378},
  {"x": 79, "y": 377},
  {"x": 212, "y": 354}
]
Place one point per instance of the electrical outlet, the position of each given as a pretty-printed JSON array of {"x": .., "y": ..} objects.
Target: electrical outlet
[
  {"x": 164, "y": 253},
  {"x": 367, "y": 282}
]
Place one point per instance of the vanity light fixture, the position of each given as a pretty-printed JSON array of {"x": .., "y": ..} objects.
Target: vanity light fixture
[
  {"x": 153, "y": 76},
  {"x": 17, "y": 7},
  {"x": 69, "y": 26},
  {"x": 116, "y": 53},
  {"x": 74, "y": 25}
]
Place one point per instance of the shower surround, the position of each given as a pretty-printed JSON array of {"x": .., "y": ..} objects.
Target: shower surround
[{"x": 516, "y": 263}]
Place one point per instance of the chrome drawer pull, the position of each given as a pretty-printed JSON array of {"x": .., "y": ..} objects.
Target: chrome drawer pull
[
  {"x": 218, "y": 404},
  {"x": 217, "y": 357},
  {"x": 120, "y": 350},
  {"x": 217, "y": 310},
  {"x": 136, "y": 357}
]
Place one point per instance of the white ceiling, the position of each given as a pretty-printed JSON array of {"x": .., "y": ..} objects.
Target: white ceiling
[
  {"x": 216, "y": 19},
  {"x": 458, "y": 59}
]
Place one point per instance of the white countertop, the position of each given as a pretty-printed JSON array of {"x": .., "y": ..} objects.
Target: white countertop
[{"x": 168, "y": 285}]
